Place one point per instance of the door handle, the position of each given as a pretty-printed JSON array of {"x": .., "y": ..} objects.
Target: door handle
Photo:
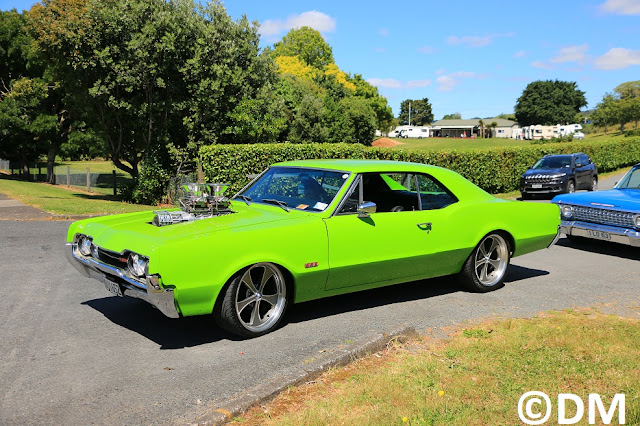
[{"x": 426, "y": 226}]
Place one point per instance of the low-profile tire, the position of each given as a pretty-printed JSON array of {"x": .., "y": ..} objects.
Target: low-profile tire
[
  {"x": 487, "y": 265},
  {"x": 571, "y": 187},
  {"x": 594, "y": 184},
  {"x": 253, "y": 302}
]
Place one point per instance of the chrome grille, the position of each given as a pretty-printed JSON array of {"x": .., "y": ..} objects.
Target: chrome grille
[
  {"x": 539, "y": 179},
  {"x": 608, "y": 217}
]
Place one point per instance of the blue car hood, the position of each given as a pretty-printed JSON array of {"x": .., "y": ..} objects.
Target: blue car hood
[{"x": 614, "y": 199}]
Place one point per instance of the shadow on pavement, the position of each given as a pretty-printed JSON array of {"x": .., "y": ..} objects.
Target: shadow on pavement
[
  {"x": 142, "y": 318},
  {"x": 602, "y": 247},
  {"x": 415, "y": 290}
]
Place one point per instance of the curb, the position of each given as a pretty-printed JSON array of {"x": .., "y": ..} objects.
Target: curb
[{"x": 264, "y": 393}]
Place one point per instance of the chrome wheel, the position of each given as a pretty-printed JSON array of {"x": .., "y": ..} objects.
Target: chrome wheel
[
  {"x": 594, "y": 184},
  {"x": 260, "y": 297},
  {"x": 491, "y": 260},
  {"x": 571, "y": 187}
]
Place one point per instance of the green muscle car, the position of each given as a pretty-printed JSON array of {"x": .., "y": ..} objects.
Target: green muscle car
[{"x": 304, "y": 230}]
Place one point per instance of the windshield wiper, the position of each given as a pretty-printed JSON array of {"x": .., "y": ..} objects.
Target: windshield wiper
[
  {"x": 244, "y": 198},
  {"x": 277, "y": 202}
]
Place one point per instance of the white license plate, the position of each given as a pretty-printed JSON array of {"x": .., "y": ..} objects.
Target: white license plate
[
  {"x": 536, "y": 186},
  {"x": 113, "y": 287},
  {"x": 600, "y": 235}
]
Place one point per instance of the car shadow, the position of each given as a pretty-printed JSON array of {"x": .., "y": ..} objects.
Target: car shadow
[
  {"x": 602, "y": 247},
  {"x": 399, "y": 293},
  {"x": 142, "y": 318}
]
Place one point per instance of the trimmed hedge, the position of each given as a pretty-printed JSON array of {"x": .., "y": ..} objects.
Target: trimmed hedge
[{"x": 495, "y": 170}]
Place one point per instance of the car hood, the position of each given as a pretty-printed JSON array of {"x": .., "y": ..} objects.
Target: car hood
[
  {"x": 135, "y": 232},
  {"x": 545, "y": 172},
  {"x": 614, "y": 199}
]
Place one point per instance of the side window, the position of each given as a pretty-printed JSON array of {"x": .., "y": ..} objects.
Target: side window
[
  {"x": 433, "y": 195},
  {"x": 352, "y": 200},
  {"x": 585, "y": 159}
]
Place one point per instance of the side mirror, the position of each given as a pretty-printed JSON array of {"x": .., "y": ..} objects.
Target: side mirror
[{"x": 365, "y": 208}]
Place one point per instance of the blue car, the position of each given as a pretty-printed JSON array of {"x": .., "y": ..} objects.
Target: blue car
[{"x": 612, "y": 215}]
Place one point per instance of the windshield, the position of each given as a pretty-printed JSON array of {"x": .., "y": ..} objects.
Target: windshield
[
  {"x": 631, "y": 180},
  {"x": 559, "y": 162},
  {"x": 296, "y": 188}
]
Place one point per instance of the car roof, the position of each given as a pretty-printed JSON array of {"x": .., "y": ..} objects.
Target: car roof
[
  {"x": 360, "y": 166},
  {"x": 565, "y": 155}
]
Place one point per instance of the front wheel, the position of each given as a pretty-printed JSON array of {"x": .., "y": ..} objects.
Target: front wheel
[
  {"x": 571, "y": 187},
  {"x": 594, "y": 184},
  {"x": 254, "y": 302},
  {"x": 487, "y": 265}
]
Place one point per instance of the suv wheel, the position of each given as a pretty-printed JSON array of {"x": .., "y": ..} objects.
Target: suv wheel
[
  {"x": 594, "y": 184},
  {"x": 571, "y": 187}
]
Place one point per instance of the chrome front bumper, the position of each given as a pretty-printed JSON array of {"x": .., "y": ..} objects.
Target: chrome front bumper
[
  {"x": 626, "y": 236},
  {"x": 151, "y": 292}
]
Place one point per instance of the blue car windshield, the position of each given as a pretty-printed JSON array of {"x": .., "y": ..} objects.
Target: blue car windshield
[
  {"x": 631, "y": 180},
  {"x": 296, "y": 188},
  {"x": 558, "y": 162}
]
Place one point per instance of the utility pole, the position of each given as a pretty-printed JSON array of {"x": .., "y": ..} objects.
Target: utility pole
[{"x": 409, "y": 113}]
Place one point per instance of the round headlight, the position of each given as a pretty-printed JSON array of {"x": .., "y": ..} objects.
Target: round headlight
[
  {"x": 637, "y": 220},
  {"x": 137, "y": 265},
  {"x": 567, "y": 211},
  {"x": 84, "y": 245}
]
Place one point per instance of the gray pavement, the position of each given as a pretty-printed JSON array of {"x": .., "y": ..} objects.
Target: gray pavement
[
  {"x": 11, "y": 209},
  {"x": 72, "y": 354}
]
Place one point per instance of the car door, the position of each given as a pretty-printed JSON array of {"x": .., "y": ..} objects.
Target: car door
[
  {"x": 583, "y": 172},
  {"x": 396, "y": 243}
]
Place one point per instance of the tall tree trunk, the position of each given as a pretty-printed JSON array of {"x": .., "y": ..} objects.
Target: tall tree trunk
[{"x": 51, "y": 158}]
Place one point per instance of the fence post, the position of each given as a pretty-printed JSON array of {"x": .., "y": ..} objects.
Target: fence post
[
  {"x": 39, "y": 170},
  {"x": 68, "y": 176},
  {"x": 88, "y": 180},
  {"x": 115, "y": 184}
]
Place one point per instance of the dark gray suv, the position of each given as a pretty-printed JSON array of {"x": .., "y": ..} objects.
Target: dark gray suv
[{"x": 558, "y": 174}]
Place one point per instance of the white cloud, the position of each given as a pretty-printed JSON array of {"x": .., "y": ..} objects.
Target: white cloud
[
  {"x": 427, "y": 49},
  {"x": 392, "y": 83},
  {"x": 447, "y": 82},
  {"x": 440, "y": 71},
  {"x": 618, "y": 58},
  {"x": 384, "y": 32},
  {"x": 317, "y": 20},
  {"x": 571, "y": 54},
  {"x": 541, "y": 65},
  {"x": 476, "y": 41},
  {"x": 621, "y": 7},
  {"x": 519, "y": 54}
]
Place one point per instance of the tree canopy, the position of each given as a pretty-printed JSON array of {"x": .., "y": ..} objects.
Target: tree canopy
[
  {"x": 549, "y": 102},
  {"x": 421, "y": 113}
]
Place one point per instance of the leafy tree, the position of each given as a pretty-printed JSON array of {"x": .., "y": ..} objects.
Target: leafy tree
[
  {"x": 454, "y": 116},
  {"x": 356, "y": 121},
  {"x": 549, "y": 102},
  {"x": 306, "y": 43},
  {"x": 629, "y": 89},
  {"x": 481, "y": 123},
  {"x": 310, "y": 121},
  {"x": 607, "y": 112},
  {"x": 493, "y": 126},
  {"x": 421, "y": 113}
]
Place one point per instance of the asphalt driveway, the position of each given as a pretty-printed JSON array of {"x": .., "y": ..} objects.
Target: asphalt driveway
[{"x": 72, "y": 354}]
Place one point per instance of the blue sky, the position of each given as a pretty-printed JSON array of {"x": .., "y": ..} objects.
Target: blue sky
[{"x": 475, "y": 58}]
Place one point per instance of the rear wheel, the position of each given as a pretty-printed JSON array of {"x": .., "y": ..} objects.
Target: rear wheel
[
  {"x": 254, "y": 302},
  {"x": 487, "y": 265}
]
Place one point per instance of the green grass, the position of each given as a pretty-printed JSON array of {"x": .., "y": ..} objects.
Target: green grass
[
  {"x": 455, "y": 143},
  {"x": 58, "y": 200},
  {"x": 476, "y": 378}
]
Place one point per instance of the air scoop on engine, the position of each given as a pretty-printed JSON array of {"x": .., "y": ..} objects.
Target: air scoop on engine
[{"x": 197, "y": 201}]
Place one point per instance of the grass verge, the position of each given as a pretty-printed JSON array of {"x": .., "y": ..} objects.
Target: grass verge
[
  {"x": 62, "y": 201},
  {"x": 475, "y": 378}
]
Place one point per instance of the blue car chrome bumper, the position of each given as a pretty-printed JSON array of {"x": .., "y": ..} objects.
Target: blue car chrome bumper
[{"x": 596, "y": 231}]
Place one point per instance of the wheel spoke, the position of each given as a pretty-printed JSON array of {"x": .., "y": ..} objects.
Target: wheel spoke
[
  {"x": 483, "y": 272},
  {"x": 271, "y": 299},
  {"x": 494, "y": 244},
  {"x": 266, "y": 275},
  {"x": 495, "y": 264},
  {"x": 480, "y": 262},
  {"x": 243, "y": 303},
  {"x": 248, "y": 281},
  {"x": 255, "y": 320},
  {"x": 483, "y": 251}
]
